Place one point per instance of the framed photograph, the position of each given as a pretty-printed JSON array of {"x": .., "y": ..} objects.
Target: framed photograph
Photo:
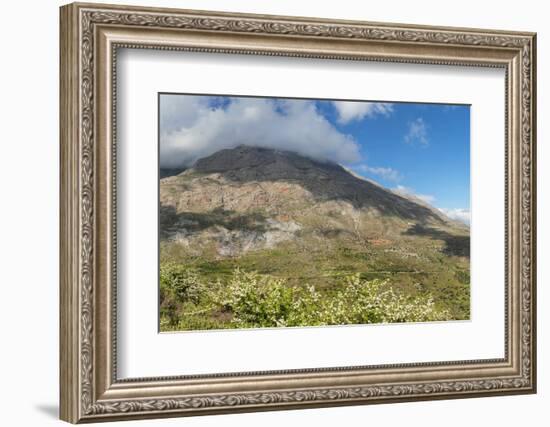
[{"x": 266, "y": 212}]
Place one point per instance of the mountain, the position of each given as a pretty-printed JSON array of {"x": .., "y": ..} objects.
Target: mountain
[
  {"x": 166, "y": 172},
  {"x": 312, "y": 222},
  {"x": 284, "y": 214},
  {"x": 248, "y": 197}
]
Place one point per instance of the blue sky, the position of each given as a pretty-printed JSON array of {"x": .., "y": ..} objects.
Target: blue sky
[
  {"x": 425, "y": 146},
  {"x": 411, "y": 148}
]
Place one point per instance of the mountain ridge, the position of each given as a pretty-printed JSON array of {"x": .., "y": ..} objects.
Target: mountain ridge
[
  {"x": 324, "y": 179},
  {"x": 249, "y": 198}
]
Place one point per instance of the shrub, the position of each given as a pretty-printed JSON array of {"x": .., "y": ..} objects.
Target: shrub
[
  {"x": 258, "y": 301},
  {"x": 252, "y": 300},
  {"x": 264, "y": 301},
  {"x": 180, "y": 283},
  {"x": 375, "y": 301}
]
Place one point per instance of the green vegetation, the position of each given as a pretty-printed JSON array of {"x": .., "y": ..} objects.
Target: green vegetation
[
  {"x": 252, "y": 300},
  {"x": 196, "y": 288}
]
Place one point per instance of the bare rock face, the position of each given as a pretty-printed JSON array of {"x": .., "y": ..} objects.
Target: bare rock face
[{"x": 249, "y": 198}]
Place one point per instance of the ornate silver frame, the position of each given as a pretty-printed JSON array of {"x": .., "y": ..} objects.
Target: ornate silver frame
[{"x": 90, "y": 36}]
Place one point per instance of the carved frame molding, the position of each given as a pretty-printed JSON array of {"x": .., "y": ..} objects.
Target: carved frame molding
[{"x": 90, "y": 36}]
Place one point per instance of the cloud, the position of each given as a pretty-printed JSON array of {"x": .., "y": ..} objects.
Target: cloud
[
  {"x": 193, "y": 127},
  {"x": 387, "y": 174},
  {"x": 462, "y": 215},
  {"x": 180, "y": 111},
  {"x": 417, "y": 132},
  {"x": 357, "y": 110},
  {"x": 410, "y": 193}
]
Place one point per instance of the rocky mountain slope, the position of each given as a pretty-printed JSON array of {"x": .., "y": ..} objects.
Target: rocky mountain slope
[{"x": 247, "y": 198}]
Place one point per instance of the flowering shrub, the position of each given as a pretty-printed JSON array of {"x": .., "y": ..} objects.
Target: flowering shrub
[
  {"x": 376, "y": 302},
  {"x": 258, "y": 301},
  {"x": 251, "y": 300},
  {"x": 263, "y": 301},
  {"x": 179, "y": 282}
]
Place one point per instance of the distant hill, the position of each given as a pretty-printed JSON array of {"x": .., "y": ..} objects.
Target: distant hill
[{"x": 166, "y": 172}]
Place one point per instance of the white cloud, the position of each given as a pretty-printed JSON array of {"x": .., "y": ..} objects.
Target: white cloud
[
  {"x": 417, "y": 132},
  {"x": 177, "y": 111},
  {"x": 410, "y": 193},
  {"x": 191, "y": 129},
  {"x": 357, "y": 110},
  {"x": 462, "y": 215},
  {"x": 388, "y": 174}
]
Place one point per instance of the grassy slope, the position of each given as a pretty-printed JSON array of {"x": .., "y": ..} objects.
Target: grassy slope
[{"x": 418, "y": 266}]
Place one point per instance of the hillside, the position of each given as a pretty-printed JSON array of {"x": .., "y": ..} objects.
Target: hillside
[{"x": 308, "y": 221}]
